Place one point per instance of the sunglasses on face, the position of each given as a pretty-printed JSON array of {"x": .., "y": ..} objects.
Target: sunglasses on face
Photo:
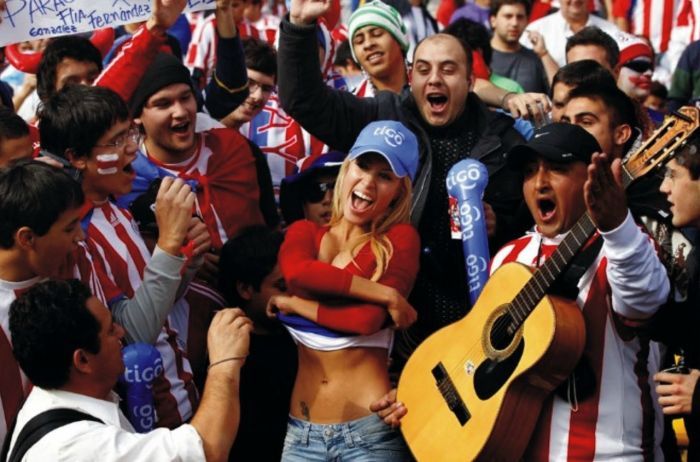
[
  {"x": 639, "y": 66},
  {"x": 315, "y": 192}
]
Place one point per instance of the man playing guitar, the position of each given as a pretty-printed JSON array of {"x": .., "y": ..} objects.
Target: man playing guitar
[{"x": 606, "y": 409}]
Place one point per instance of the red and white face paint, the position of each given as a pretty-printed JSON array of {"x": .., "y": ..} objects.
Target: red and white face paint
[
  {"x": 107, "y": 164},
  {"x": 635, "y": 78},
  {"x": 107, "y": 171}
]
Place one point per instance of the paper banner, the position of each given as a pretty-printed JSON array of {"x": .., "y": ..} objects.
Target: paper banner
[{"x": 34, "y": 19}]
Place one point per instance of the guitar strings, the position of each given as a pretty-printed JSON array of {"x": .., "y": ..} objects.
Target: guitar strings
[{"x": 500, "y": 326}]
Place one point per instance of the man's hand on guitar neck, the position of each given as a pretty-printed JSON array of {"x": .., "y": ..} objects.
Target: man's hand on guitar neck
[
  {"x": 388, "y": 409},
  {"x": 604, "y": 193},
  {"x": 676, "y": 391}
]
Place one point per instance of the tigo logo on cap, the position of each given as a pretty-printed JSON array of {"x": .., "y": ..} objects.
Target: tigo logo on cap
[
  {"x": 393, "y": 141},
  {"x": 391, "y": 136}
]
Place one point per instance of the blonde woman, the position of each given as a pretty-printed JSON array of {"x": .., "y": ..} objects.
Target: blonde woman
[{"x": 348, "y": 281}]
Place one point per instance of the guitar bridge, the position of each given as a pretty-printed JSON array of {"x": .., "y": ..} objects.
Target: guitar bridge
[{"x": 450, "y": 395}]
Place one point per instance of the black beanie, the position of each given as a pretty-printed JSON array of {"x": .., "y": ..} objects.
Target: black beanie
[{"x": 165, "y": 70}]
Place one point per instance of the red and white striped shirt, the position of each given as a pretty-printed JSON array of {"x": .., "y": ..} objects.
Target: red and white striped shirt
[
  {"x": 621, "y": 420},
  {"x": 364, "y": 90},
  {"x": 113, "y": 237},
  {"x": 201, "y": 53},
  {"x": 651, "y": 18},
  {"x": 228, "y": 193},
  {"x": 686, "y": 29},
  {"x": 267, "y": 26},
  {"x": 14, "y": 385},
  {"x": 283, "y": 140}
]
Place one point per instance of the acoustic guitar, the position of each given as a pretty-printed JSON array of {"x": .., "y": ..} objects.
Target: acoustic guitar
[{"x": 474, "y": 389}]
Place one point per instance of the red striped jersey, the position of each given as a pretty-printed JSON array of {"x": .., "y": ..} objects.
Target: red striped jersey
[
  {"x": 201, "y": 53},
  {"x": 650, "y": 18},
  {"x": 267, "y": 26},
  {"x": 283, "y": 140},
  {"x": 620, "y": 419},
  {"x": 686, "y": 29},
  {"x": 112, "y": 237},
  {"x": 228, "y": 193},
  {"x": 364, "y": 90},
  {"x": 14, "y": 385}
]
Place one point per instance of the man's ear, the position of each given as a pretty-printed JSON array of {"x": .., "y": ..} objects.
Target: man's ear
[
  {"x": 622, "y": 134},
  {"x": 470, "y": 82},
  {"x": 492, "y": 21},
  {"x": 81, "y": 361},
  {"x": 25, "y": 238},
  {"x": 616, "y": 72},
  {"x": 245, "y": 291},
  {"x": 79, "y": 163}
]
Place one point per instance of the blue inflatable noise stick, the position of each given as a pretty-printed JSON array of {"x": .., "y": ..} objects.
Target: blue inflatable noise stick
[
  {"x": 466, "y": 182},
  {"x": 142, "y": 364}
]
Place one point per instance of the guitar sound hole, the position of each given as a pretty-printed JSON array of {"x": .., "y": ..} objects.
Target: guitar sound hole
[
  {"x": 499, "y": 335},
  {"x": 491, "y": 375}
]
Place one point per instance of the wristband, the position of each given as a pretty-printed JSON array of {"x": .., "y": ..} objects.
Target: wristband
[{"x": 232, "y": 358}]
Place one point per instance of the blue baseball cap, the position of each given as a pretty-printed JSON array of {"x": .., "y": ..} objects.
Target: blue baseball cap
[{"x": 393, "y": 141}]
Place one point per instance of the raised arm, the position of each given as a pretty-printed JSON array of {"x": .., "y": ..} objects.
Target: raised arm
[
  {"x": 124, "y": 73},
  {"x": 636, "y": 276},
  {"x": 218, "y": 415},
  {"x": 145, "y": 313},
  {"x": 228, "y": 87},
  {"x": 334, "y": 117}
]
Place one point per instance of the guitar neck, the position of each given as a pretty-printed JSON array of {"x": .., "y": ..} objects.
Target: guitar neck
[
  {"x": 528, "y": 298},
  {"x": 652, "y": 154},
  {"x": 530, "y": 295}
]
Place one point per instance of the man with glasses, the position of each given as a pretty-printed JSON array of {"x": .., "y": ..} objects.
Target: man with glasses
[
  {"x": 89, "y": 130},
  {"x": 261, "y": 67},
  {"x": 262, "y": 120}
]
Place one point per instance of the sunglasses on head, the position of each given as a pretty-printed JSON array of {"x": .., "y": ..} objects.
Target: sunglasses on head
[
  {"x": 315, "y": 192},
  {"x": 639, "y": 66}
]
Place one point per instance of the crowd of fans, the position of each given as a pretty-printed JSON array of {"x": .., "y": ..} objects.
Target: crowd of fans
[{"x": 259, "y": 192}]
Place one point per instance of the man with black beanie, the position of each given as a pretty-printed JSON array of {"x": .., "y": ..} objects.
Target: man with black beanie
[{"x": 233, "y": 186}]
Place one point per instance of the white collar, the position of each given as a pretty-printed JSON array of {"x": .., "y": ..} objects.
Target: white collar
[{"x": 107, "y": 410}]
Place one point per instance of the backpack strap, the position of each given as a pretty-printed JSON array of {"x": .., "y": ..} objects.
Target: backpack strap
[{"x": 38, "y": 427}]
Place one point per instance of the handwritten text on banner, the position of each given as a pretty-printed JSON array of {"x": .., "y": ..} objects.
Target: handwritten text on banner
[{"x": 32, "y": 19}]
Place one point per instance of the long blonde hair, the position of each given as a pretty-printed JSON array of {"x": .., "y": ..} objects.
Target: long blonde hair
[{"x": 398, "y": 212}]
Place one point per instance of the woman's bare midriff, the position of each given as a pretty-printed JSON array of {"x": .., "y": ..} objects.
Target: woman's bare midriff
[{"x": 338, "y": 386}]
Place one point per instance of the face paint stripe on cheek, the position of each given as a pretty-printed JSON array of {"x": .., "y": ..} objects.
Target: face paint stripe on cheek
[{"x": 107, "y": 163}]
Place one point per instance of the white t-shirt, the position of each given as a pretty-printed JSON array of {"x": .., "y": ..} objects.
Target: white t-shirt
[
  {"x": 113, "y": 440},
  {"x": 555, "y": 31}
]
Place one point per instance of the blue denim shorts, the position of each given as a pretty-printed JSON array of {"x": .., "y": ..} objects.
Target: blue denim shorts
[{"x": 363, "y": 440}]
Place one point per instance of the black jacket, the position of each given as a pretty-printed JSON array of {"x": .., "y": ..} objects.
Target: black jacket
[{"x": 337, "y": 117}]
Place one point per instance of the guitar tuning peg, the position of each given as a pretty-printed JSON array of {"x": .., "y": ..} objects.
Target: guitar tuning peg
[{"x": 682, "y": 116}]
